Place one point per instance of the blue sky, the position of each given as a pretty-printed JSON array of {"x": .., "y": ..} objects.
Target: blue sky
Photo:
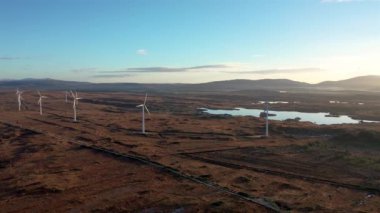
[{"x": 189, "y": 40}]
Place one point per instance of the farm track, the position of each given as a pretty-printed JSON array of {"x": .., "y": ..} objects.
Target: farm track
[
  {"x": 286, "y": 174},
  {"x": 269, "y": 205}
]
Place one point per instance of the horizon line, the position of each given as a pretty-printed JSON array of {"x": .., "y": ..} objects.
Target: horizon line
[{"x": 21, "y": 79}]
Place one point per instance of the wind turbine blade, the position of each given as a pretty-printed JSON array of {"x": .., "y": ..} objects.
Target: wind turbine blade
[
  {"x": 147, "y": 109},
  {"x": 140, "y": 105},
  {"x": 146, "y": 96},
  {"x": 38, "y": 92},
  {"x": 72, "y": 94}
]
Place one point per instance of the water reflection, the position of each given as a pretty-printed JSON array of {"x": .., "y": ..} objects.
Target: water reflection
[{"x": 317, "y": 118}]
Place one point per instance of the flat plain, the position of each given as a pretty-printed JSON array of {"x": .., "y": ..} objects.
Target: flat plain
[{"x": 188, "y": 161}]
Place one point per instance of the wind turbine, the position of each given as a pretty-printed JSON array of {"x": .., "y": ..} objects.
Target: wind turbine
[
  {"x": 67, "y": 93},
  {"x": 75, "y": 103},
  {"x": 40, "y": 101},
  {"x": 19, "y": 98},
  {"x": 143, "y": 108},
  {"x": 266, "y": 119}
]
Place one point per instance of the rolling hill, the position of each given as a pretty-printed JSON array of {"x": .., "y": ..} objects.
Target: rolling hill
[
  {"x": 371, "y": 82},
  {"x": 367, "y": 83}
]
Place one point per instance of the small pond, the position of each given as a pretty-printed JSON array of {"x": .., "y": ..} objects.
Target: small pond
[{"x": 319, "y": 118}]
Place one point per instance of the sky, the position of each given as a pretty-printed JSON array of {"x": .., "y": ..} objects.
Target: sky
[{"x": 189, "y": 41}]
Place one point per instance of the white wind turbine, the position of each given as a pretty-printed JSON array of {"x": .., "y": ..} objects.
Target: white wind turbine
[
  {"x": 19, "y": 98},
  {"x": 75, "y": 103},
  {"x": 266, "y": 119},
  {"x": 40, "y": 101},
  {"x": 143, "y": 108},
  {"x": 67, "y": 93}
]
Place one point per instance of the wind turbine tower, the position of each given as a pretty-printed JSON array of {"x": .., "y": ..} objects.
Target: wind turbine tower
[
  {"x": 266, "y": 119},
  {"x": 75, "y": 103},
  {"x": 19, "y": 98},
  {"x": 143, "y": 108},
  {"x": 40, "y": 101}
]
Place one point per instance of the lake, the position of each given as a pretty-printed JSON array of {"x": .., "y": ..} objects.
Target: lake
[{"x": 320, "y": 118}]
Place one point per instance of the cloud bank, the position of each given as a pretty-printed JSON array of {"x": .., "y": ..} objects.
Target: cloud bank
[
  {"x": 278, "y": 71},
  {"x": 111, "y": 76},
  {"x": 8, "y": 58},
  {"x": 168, "y": 69},
  {"x": 81, "y": 70}
]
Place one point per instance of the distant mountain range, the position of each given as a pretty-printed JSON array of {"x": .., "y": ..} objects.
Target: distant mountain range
[
  {"x": 363, "y": 83},
  {"x": 371, "y": 82}
]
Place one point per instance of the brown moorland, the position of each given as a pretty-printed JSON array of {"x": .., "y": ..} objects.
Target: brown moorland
[{"x": 188, "y": 161}]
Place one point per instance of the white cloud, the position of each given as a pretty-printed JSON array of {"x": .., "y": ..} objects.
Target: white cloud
[{"x": 142, "y": 52}]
